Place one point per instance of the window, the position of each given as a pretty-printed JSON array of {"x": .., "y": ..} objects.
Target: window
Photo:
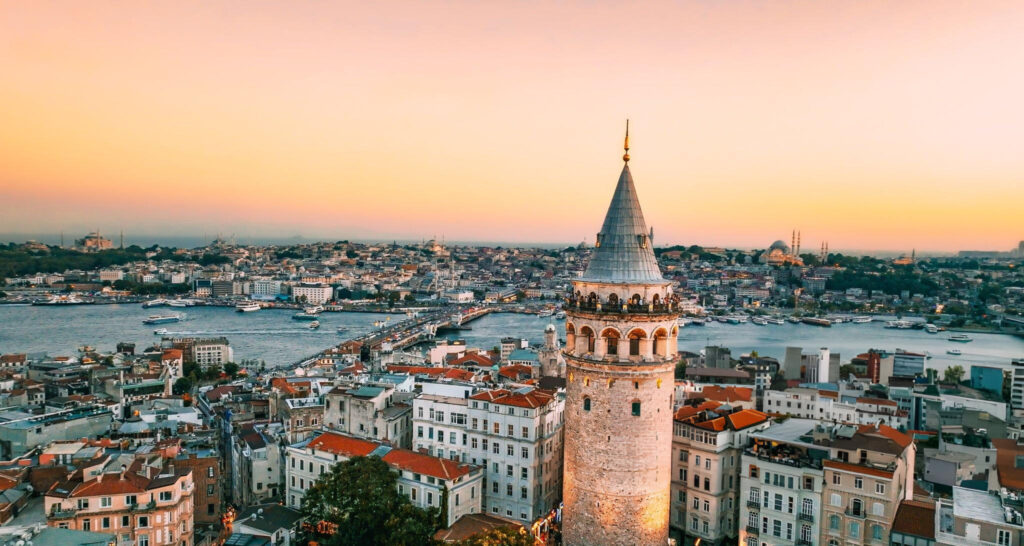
[
  {"x": 854, "y": 529},
  {"x": 836, "y": 499},
  {"x": 858, "y": 507},
  {"x": 508, "y": 471},
  {"x": 1003, "y": 537},
  {"x": 777, "y": 528},
  {"x": 143, "y": 540},
  {"x": 430, "y": 498},
  {"x": 880, "y": 488},
  {"x": 833, "y": 522},
  {"x": 707, "y": 506},
  {"x": 510, "y": 450},
  {"x": 636, "y": 409},
  {"x": 83, "y": 504},
  {"x": 508, "y": 489},
  {"x": 126, "y": 521},
  {"x": 876, "y": 532},
  {"x": 755, "y": 495},
  {"x": 105, "y": 523},
  {"x": 696, "y": 503},
  {"x": 752, "y": 520},
  {"x": 808, "y": 483},
  {"x": 524, "y": 472},
  {"x": 209, "y": 471},
  {"x": 511, "y": 430},
  {"x": 586, "y": 404},
  {"x": 836, "y": 479},
  {"x": 696, "y": 460},
  {"x": 858, "y": 482},
  {"x": 165, "y": 496},
  {"x": 130, "y": 500},
  {"x": 707, "y": 464},
  {"x": 707, "y": 484},
  {"x": 878, "y": 509},
  {"x": 143, "y": 521},
  {"x": 209, "y": 489},
  {"x": 778, "y": 502},
  {"x": 87, "y": 525},
  {"x": 105, "y": 502},
  {"x": 522, "y": 492},
  {"x": 808, "y": 507}
]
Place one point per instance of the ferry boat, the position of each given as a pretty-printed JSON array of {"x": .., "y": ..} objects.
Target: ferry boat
[
  {"x": 863, "y": 319},
  {"x": 181, "y": 303},
  {"x": 305, "y": 315},
  {"x": 960, "y": 338},
  {"x": 314, "y": 325},
  {"x": 814, "y": 321},
  {"x": 775, "y": 320},
  {"x": 154, "y": 303},
  {"x": 899, "y": 324},
  {"x": 546, "y": 313},
  {"x": 247, "y": 307},
  {"x": 70, "y": 299},
  {"x": 313, "y": 309},
  {"x": 760, "y": 321},
  {"x": 931, "y": 328},
  {"x": 163, "y": 319},
  {"x": 794, "y": 319},
  {"x": 954, "y": 352}
]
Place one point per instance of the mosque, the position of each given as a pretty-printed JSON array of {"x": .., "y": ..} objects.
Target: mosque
[{"x": 781, "y": 254}]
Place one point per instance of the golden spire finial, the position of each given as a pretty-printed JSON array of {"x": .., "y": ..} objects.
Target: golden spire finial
[{"x": 625, "y": 156}]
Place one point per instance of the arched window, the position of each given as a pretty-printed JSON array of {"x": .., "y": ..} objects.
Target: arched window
[
  {"x": 570, "y": 336},
  {"x": 635, "y": 300},
  {"x": 634, "y": 341},
  {"x": 611, "y": 339},
  {"x": 636, "y": 408},
  {"x": 833, "y": 522},
  {"x": 588, "y": 334},
  {"x": 660, "y": 343},
  {"x": 656, "y": 299},
  {"x": 613, "y": 300},
  {"x": 586, "y": 403},
  {"x": 858, "y": 507}
]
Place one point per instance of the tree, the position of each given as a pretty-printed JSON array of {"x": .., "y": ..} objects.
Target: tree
[
  {"x": 359, "y": 499},
  {"x": 506, "y": 536},
  {"x": 231, "y": 369},
  {"x": 182, "y": 385},
  {"x": 953, "y": 374},
  {"x": 681, "y": 369}
]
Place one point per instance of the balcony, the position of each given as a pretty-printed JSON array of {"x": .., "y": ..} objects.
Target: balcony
[
  {"x": 803, "y": 516},
  {"x": 804, "y": 542},
  {"x": 756, "y": 505},
  {"x": 850, "y": 512},
  {"x": 63, "y": 513},
  {"x": 622, "y": 308},
  {"x": 753, "y": 530}
]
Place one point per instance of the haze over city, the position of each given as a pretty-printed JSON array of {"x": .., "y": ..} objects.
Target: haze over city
[{"x": 868, "y": 125}]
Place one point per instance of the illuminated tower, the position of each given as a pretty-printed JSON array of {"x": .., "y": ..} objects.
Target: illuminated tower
[{"x": 620, "y": 356}]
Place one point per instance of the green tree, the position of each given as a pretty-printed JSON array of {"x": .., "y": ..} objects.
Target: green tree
[
  {"x": 231, "y": 369},
  {"x": 359, "y": 500},
  {"x": 182, "y": 386},
  {"x": 506, "y": 536},
  {"x": 681, "y": 369},
  {"x": 953, "y": 374}
]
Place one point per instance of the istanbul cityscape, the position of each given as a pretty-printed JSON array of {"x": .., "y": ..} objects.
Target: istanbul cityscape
[{"x": 540, "y": 273}]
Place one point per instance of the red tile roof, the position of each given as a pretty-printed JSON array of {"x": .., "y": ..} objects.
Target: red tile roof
[
  {"x": 1007, "y": 451},
  {"x": 915, "y": 518},
  {"x": 342, "y": 445},
  {"x": 850, "y": 467},
  {"x": 445, "y": 469},
  {"x": 534, "y": 399},
  {"x": 472, "y": 359},
  {"x": 727, "y": 394},
  {"x": 689, "y": 411},
  {"x": 896, "y": 436},
  {"x": 515, "y": 371}
]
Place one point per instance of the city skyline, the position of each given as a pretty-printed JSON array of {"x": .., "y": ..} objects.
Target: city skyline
[{"x": 872, "y": 126}]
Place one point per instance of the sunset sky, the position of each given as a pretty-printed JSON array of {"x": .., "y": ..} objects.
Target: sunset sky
[{"x": 872, "y": 125}]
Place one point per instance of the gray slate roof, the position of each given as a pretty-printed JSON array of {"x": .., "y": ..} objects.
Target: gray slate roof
[{"x": 625, "y": 254}]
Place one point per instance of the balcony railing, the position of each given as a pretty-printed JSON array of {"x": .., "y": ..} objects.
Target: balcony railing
[
  {"x": 804, "y": 542},
  {"x": 804, "y": 516},
  {"x": 622, "y": 308},
  {"x": 753, "y": 530},
  {"x": 856, "y": 513},
  {"x": 63, "y": 513},
  {"x": 754, "y": 504}
]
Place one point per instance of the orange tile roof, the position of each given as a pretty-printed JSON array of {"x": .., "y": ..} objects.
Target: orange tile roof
[
  {"x": 689, "y": 411},
  {"x": 1007, "y": 451},
  {"x": 850, "y": 467},
  {"x": 515, "y": 371},
  {"x": 915, "y": 518},
  {"x": 172, "y": 354},
  {"x": 445, "y": 469},
  {"x": 829, "y": 394},
  {"x": 472, "y": 359},
  {"x": 727, "y": 394},
  {"x": 746, "y": 418},
  {"x": 533, "y": 399},
  {"x": 342, "y": 445},
  {"x": 896, "y": 436}
]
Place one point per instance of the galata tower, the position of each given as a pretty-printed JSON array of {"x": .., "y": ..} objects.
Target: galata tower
[{"x": 620, "y": 358}]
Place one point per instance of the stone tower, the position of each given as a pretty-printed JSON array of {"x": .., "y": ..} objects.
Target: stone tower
[
  {"x": 620, "y": 357},
  {"x": 551, "y": 362}
]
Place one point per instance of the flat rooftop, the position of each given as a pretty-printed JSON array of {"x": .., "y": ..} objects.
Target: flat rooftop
[
  {"x": 788, "y": 431},
  {"x": 977, "y": 505}
]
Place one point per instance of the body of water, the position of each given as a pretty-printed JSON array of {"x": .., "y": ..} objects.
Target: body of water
[{"x": 273, "y": 336}]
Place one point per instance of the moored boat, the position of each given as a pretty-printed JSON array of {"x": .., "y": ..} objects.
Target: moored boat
[
  {"x": 815, "y": 321},
  {"x": 247, "y": 307}
]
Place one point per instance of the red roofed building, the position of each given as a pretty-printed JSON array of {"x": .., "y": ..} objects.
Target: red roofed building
[
  {"x": 707, "y": 443},
  {"x": 422, "y": 478}
]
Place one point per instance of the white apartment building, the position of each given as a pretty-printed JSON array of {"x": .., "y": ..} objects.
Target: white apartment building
[
  {"x": 313, "y": 294},
  {"x": 265, "y": 288},
  {"x": 370, "y": 411},
  {"x": 212, "y": 352},
  {"x": 781, "y": 487},
  {"x": 421, "y": 478},
  {"x": 821, "y": 405},
  {"x": 111, "y": 275},
  {"x": 515, "y": 435}
]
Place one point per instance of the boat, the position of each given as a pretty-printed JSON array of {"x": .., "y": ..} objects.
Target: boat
[
  {"x": 181, "y": 303},
  {"x": 954, "y": 352},
  {"x": 560, "y": 315},
  {"x": 342, "y": 329},
  {"x": 161, "y": 331},
  {"x": 794, "y": 319},
  {"x": 899, "y": 324},
  {"x": 775, "y": 320},
  {"x": 960, "y": 338},
  {"x": 313, "y": 309},
  {"x": 863, "y": 319},
  {"x": 154, "y": 303},
  {"x": 70, "y": 299},
  {"x": 314, "y": 325},
  {"x": 164, "y": 319},
  {"x": 814, "y": 321},
  {"x": 546, "y": 313},
  {"x": 247, "y": 307},
  {"x": 931, "y": 328},
  {"x": 760, "y": 321},
  {"x": 305, "y": 315}
]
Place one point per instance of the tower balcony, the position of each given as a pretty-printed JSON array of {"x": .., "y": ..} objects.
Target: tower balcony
[{"x": 622, "y": 308}]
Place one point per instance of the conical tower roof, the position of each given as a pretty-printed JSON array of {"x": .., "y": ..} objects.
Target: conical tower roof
[{"x": 623, "y": 253}]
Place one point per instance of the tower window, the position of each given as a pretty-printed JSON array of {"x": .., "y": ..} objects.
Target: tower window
[
  {"x": 636, "y": 409},
  {"x": 586, "y": 404}
]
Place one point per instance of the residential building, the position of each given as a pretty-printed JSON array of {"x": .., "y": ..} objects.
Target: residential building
[
  {"x": 908, "y": 364},
  {"x": 313, "y": 294},
  {"x": 301, "y": 416},
  {"x": 279, "y": 524},
  {"x": 256, "y": 461},
  {"x": 978, "y": 517},
  {"x": 376, "y": 411}
]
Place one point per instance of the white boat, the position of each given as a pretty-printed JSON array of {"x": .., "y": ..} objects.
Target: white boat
[
  {"x": 954, "y": 352},
  {"x": 960, "y": 338},
  {"x": 247, "y": 307},
  {"x": 181, "y": 303},
  {"x": 314, "y": 325},
  {"x": 154, "y": 303},
  {"x": 164, "y": 319},
  {"x": 560, "y": 315},
  {"x": 342, "y": 329},
  {"x": 863, "y": 319},
  {"x": 794, "y": 319},
  {"x": 760, "y": 321},
  {"x": 546, "y": 313},
  {"x": 161, "y": 331},
  {"x": 313, "y": 309},
  {"x": 931, "y": 328},
  {"x": 899, "y": 324},
  {"x": 775, "y": 320}
]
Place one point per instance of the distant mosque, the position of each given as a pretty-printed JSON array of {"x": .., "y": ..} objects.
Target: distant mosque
[{"x": 781, "y": 254}]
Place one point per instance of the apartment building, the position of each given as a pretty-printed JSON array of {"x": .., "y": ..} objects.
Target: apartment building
[
  {"x": 302, "y": 416},
  {"x": 978, "y": 518},
  {"x": 313, "y": 294},
  {"x": 142, "y": 505},
  {"x": 375, "y": 411},
  {"x": 823, "y": 405},
  {"x": 256, "y": 462},
  {"x": 707, "y": 446},
  {"x": 422, "y": 478}
]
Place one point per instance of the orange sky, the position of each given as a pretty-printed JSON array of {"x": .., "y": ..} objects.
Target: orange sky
[{"x": 873, "y": 125}]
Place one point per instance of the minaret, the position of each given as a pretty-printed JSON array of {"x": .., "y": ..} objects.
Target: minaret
[{"x": 620, "y": 358}]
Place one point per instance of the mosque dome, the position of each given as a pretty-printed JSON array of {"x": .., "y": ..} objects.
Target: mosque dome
[{"x": 780, "y": 246}]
